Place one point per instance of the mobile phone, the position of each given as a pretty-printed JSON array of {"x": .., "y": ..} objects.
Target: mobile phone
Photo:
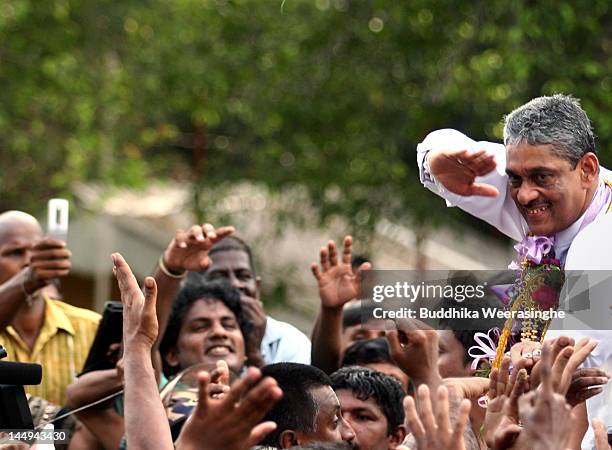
[
  {"x": 57, "y": 219},
  {"x": 610, "y": 435}
]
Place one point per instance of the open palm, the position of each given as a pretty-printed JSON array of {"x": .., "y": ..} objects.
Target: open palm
[
  {"x": 457, "y": 171},
  {"x": 337, "y": 282},
  {"x": 189, "y": 249}
]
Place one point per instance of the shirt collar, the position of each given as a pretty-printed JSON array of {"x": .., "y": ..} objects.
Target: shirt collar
[
  {"x": 55, "y": 317},
  {"x": 563, "y": 239}
]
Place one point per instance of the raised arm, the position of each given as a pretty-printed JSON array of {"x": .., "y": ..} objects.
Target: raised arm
[
  {"x": 430, "y": 423},
  {"x": 470, "y": 175},
  {"x": 232, "y": 422},
  {"x": 50, "y": 259},
  {"x": 145, "y": 420},
  {"x": 188, "y": 251},
  {"x": 411, "y": 341},
  {"x": 337, "y": 285}
]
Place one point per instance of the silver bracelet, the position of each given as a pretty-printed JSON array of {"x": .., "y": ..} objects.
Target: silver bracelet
[{"x": 167, "y": 272}]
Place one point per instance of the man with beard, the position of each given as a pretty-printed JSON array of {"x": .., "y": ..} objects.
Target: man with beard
[{"x": 35, "y": 326}]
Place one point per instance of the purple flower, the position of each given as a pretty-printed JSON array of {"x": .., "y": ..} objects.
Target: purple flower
[{"x": 534, "y": 248}]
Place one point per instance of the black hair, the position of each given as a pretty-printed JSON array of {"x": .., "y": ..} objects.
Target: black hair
[
  {"x": 233, "y": 243},
  {"x": 358, "y": 260},
  {"x": 219, "y": 290},
  {"x": 367, "y": 351},
  {"x": 354, "y": 314},
  {"x": 366, "y": 383},
  {"x": 296, "y": 410}
]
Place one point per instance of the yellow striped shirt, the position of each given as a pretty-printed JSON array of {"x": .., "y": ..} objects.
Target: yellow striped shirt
[{"x": 61, "y": 347}]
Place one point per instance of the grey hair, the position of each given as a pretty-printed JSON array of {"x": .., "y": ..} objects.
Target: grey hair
[{"x": 557, "y": 120}]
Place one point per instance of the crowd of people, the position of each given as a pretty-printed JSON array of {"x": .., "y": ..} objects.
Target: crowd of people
[{"x": 233, "y": 378}]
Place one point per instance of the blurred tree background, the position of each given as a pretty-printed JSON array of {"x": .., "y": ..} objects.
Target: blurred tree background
[{"x": 332, "y": 95}]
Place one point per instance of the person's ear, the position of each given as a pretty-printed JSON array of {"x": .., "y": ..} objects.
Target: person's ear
[
  {"x": 288, "y": 439},
  {"x": 171, "y": 357},
  {"x": 258, "y": 287},
  {"x": 397, "y": 436},
  {"x": 589, "y": 168}
]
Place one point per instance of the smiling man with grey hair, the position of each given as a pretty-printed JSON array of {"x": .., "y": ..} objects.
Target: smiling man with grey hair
[
  {"x": 545, "y": 181},
  {"x": 557, "y": 120},
  {"x": 541, "y": 182}
]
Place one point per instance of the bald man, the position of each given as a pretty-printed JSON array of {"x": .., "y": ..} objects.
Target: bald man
[{"x": 33, "y": 326}]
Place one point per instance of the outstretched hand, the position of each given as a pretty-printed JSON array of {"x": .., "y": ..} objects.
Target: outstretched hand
[
  {"x": 189, "y": 249},
  {"x": 233, "y": 422},
  {"x": 140, "y": 326},
  {"x": 338, "y": 284},
  {"x": 414, "y": 348},
  {"x": 501, "y": 419},
  {"x": 567, "y": 379},
  {"x": 457, "y": 171},
  {"x": 431, "y": 429},
  {"x": 544, "y": 414}
]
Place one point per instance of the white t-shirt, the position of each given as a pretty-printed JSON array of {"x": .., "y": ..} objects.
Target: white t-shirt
[{"x": 282, "y": 342}]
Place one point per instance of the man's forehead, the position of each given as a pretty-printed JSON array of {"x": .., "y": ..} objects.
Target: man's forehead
[
  {"x": 207, "y": 308},
  {"x": 229, "y": 259},
  {"x": 350, "y": 401},
  {"x": 527, "y": 157},
  {"x": 19, "y": 233}
]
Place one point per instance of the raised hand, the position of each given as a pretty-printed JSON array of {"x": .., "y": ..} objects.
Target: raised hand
[
  {"x": 457, "y": 171},
  {"x": 189, "y": 249},
  {"x": 414, "y": 347},
  {"x": 566, "y": 364},
  {"x": 233, "y": 422},
  {"x": 253, "y": 310},
  {"x": 586, "y": 383},
  {"x": 432, "y": 430},
  {"x": 544, "y": 414},
  {"x": 507, "y": 429},
  {"x": 139, "y": 319},
  {"x": 49, "y": 259},
  {"x": 565, "y": 376},
  {"x": 337, "y": 282}
]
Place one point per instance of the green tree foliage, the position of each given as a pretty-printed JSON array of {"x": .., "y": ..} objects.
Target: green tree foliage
[{"x": 330, "y": 94}]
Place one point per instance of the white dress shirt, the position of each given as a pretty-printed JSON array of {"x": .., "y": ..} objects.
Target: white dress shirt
[{"x": 586, "y": 249}]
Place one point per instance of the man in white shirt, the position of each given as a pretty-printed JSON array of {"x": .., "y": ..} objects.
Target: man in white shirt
[{"x": 545, "y": 180}]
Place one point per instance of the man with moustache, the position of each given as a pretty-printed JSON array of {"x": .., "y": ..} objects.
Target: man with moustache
[
  {"x": 544, "y": 181},
  {"x": 371, "y": 403},
  {"x": 232, "y": 259},
  {"x": 309, "y": 410},
  {"x": 34, "y": 325}
]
